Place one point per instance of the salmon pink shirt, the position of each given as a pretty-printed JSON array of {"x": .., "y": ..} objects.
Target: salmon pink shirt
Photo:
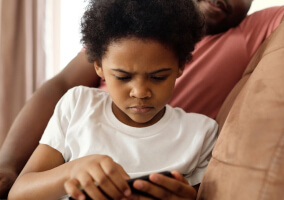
[{"x": 219, "y": 62}]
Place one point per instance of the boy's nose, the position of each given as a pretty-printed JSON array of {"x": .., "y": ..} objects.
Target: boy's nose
[{"x": 140, "y": 91}]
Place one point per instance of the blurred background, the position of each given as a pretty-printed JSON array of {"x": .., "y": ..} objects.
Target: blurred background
[{"x": 38, "y": 38}]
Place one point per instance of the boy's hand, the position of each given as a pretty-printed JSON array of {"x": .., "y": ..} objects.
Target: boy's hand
[
  {"x": 166, "y": 187},
  {"x": 97, "y": 170}
]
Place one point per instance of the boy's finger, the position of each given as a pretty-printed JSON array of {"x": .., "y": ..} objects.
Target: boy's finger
[
  {"x": 152, "y": 189},
  {"x": 87, "y": 183},
  {"x": 122, "y": 172},
  {"x": 117, "y": 176},
  {"x": 179, "y": 177},
  {"x": 72, "y": 188},
  {"x": 178, "y": 187}
]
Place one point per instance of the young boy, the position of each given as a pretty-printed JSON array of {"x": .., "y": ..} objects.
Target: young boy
[{"x": 95, "y": 138}]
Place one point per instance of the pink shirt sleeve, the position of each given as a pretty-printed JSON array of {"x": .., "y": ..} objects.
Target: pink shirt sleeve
[
  {"x": 219, "y": 62},
  {"x": 259, "y": 25}
]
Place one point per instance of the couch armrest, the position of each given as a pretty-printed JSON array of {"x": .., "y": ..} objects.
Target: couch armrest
[{"x": 248, "y": 159}]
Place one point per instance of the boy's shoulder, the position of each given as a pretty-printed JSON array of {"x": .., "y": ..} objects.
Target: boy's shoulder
[
  {"x": 84, "y": 90},
  {"x": 82, "y": 94},
  {"x": 190, "y": 119}
]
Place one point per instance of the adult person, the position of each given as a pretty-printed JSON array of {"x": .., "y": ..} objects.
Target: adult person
[{"x": 218, "y": 63}]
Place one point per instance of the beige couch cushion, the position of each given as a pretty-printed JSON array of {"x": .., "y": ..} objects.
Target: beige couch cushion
[{"x": 248, "y": 159}]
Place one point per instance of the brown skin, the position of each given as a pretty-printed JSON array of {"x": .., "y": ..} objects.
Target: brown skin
[
  {"x": 48, "y": 164},
  {"x": 139, "y": 82},
  {"x": 180, "y": 188},
  {"x": 143, "y": 64},
  {"x": 220, "y": 15},
  {"x": 30, "y": 123}
]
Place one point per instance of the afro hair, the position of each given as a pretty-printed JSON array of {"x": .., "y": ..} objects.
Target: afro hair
[{"x": 177, "y": 24}]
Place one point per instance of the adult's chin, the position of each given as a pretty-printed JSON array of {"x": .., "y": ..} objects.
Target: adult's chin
[{"x": 213, "y": 29}]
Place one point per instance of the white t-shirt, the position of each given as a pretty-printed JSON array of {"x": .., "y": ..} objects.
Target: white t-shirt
[{"x": 83, "y": 123}]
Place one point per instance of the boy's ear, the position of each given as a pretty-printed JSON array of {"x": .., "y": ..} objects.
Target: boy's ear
[
  {"x": 180, "y": 71},
  {"x": 99, "y": 69}
]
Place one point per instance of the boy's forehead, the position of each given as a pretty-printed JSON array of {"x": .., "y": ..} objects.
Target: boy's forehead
[
  {"x": 136, "y": 53},
  {"x": 136, "y": 46}
]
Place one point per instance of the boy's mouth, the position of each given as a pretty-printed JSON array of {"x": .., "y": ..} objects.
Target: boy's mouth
[{"x": 141, "y": 109}]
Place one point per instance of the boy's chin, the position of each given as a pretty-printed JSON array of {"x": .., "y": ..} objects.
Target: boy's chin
[{"x": 138, "y": 122}]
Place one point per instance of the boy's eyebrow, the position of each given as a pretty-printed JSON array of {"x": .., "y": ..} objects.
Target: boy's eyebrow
[
  {"x": 120, "y": 70},
  {"x": 155, "y": 72},
  {"x": 161, "y": 70}
]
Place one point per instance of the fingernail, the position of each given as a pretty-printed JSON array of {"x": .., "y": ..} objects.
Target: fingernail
[
  {"x": 139, "y": 185},
  {"x": 81, "y": 197},
  {"x": 155, "y": 178},
  {"x": 127, "y": 193}
]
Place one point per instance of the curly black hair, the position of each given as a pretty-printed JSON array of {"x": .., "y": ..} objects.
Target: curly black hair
[{"x": 177, "y": 24}]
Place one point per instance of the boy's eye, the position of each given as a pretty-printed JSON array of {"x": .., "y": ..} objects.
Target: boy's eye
[
  {"x": 123, "y": 78},
  {"x": 159, "y": 78}
]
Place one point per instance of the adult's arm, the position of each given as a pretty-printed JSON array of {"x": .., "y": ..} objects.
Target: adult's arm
[{"x": 26, "y": 130}]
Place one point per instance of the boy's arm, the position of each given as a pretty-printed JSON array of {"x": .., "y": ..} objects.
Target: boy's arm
[
  {"x": 30, "y": 123},
  {"x": 46, "y": 174},
  {"x": 41, "y": 176}
]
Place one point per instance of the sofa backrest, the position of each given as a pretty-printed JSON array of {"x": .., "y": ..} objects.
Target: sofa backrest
[{"x": 248, "y": 159}]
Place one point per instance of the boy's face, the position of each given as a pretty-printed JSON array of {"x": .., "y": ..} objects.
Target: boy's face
[{"x": 140, "y": 76}]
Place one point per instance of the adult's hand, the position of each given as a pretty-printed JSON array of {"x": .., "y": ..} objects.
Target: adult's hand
[
  {"x": 7, "y": 178},
  {"x": 30, "y": 123}
]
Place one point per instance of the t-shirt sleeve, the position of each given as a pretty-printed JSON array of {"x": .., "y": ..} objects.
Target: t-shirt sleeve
[
  {"x": 259, "y": 25},
  {"x": 55, "y": 132},
  {"x": 205, "y": 155}
]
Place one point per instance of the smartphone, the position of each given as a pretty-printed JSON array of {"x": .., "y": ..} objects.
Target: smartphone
[
  {"x": 130, "y": 183},
  {"x": 145, "y": 178}
]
